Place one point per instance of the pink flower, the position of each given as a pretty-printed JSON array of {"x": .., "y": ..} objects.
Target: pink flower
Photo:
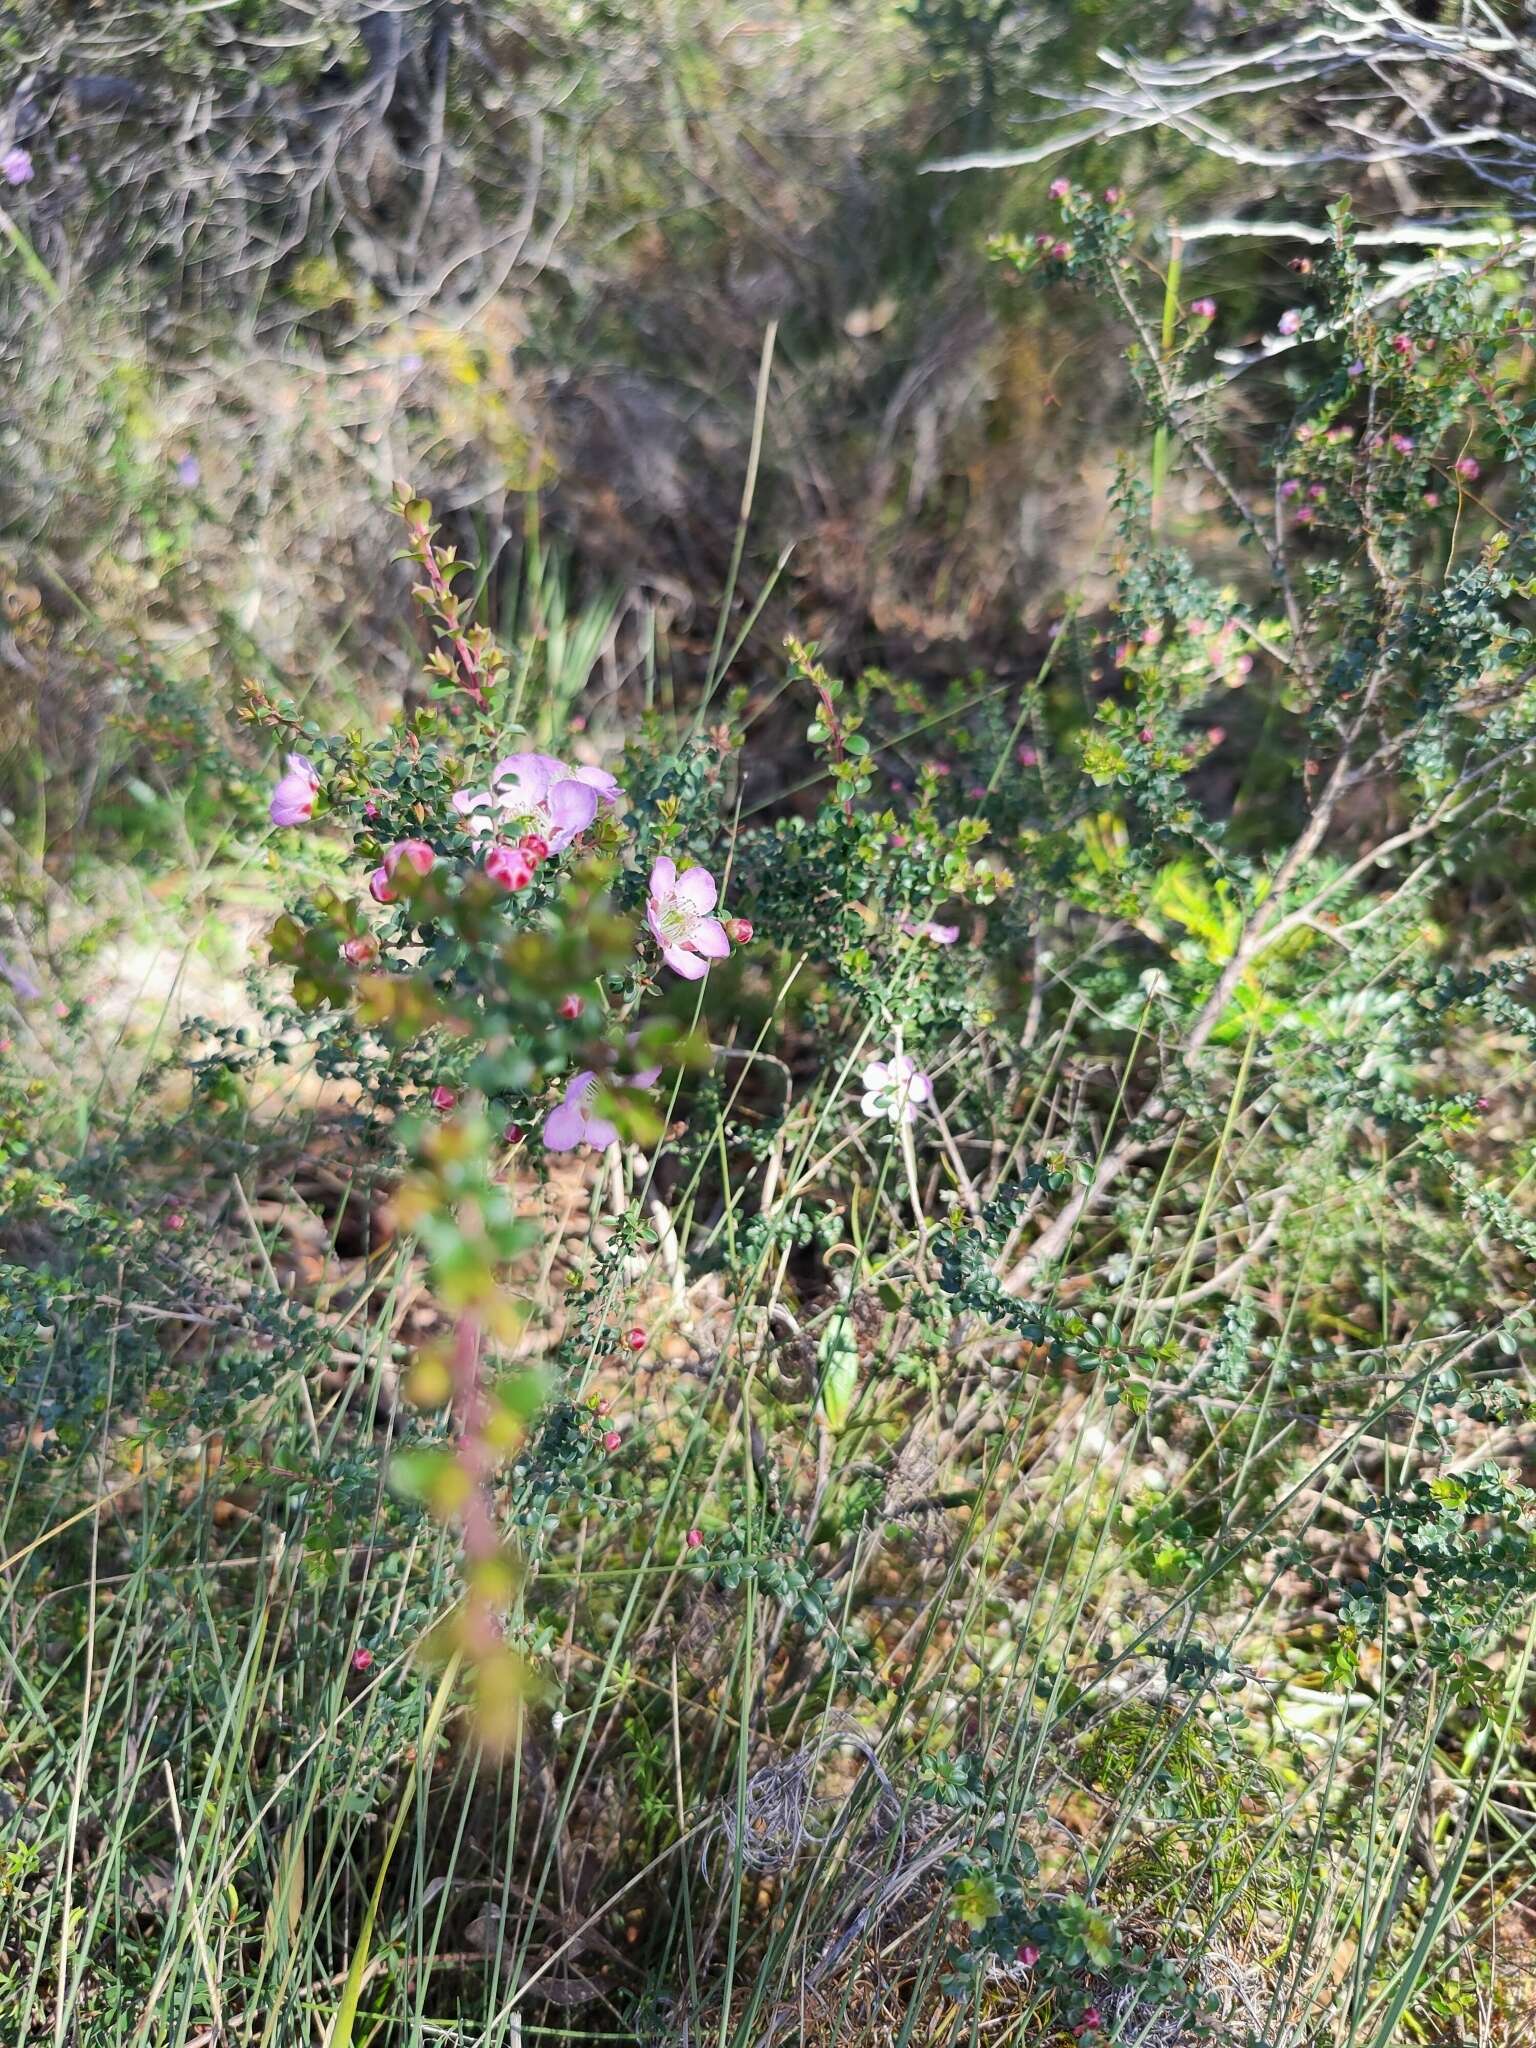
[
  {"x": 362, "y": 1660},
  {"x": 1028, "y": 757},
  {"x": 573, "y": 1121},
  {"x": 418, "y": 857},
  {"x": 1204, "y": 309},
  {"x": 678, "y": 913},
  {"x": 1402, "y": 444},
  {"x": 694, "y": 1538},
  {"x": 1061, "y": 251},
  {"x": 509, "y": 866},
  {"x": 1060, "y": 187},
  {"x": 570, "y": 1008},
  {"x": 1290, "y": 321},
  {"x": 1290, "y": 487},
  {"x": 1029, "y": 1955},
  {"x": 16, "y": 166},
  {"x": 293, "y": 800},
  {"x": 612, "y": 1440},
  {"x": 940, "y": 934},
  {"x": 22, "y": 986},
  {"x": 893, "y": 1088},
  {"x": 443, "y": 1098},
  {"x": 738, "y": 930},
  {"x": 1469, "y": 468},
  {"x": 358, "y": 952},
  {"x": 535, "y": 793}
]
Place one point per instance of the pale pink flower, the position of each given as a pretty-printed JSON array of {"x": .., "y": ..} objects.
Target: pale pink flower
[
  {"x": 678, "y": 913},
  {"x": 893, "y": 1088},
  {"x": 1290, "y": 322},
  {"x": 1469, "y": 468},
  {"x": 940, "y": 934},
  {"x": 1060, "y": 188},
  {"x": 1204, "y": 309},
  {"x": 293, "y": 800},
  {"x": 16, "y": 166},
  {"x": 535, "y": 793},
  {"x": 574, "y": 1120},
  {"x": 22, "y": 986}
]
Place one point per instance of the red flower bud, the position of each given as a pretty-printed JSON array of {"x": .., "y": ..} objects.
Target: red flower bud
[
  {"x": 509, "y": 866},
  {"x": 635, "y": 1338},
  {"x": 570, "y": 1008},
  {"x": 739, "y": 930},
  {"x": 443, "y": 1098}
]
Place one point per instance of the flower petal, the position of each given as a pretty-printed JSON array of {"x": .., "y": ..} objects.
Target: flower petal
[
  {"x": 533, "y": 773},
  {"x": 697, "y": 889},
  {"x": 708, "y": 937},
  {"x": 564, "y": 1129},
  {"x": 663, "y": 877},
  {"x": 688, "y": 965},
  {"x": 601, "y": 1133},
  {"x": 877, "y": 1075},
  {"x": 606, "y": 785},
  {"x": 919, "y": 1089},
  {"x": 572, "y": 807}
]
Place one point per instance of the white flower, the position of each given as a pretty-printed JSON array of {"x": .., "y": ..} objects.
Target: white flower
[{"x": 893, "y": 1088}]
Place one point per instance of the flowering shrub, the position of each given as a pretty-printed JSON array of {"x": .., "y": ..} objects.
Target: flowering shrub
[{"x": 938, "y": 1356}]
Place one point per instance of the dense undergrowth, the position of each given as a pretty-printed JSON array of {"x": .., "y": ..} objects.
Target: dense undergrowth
[{"x": 756, "y": 1310}]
